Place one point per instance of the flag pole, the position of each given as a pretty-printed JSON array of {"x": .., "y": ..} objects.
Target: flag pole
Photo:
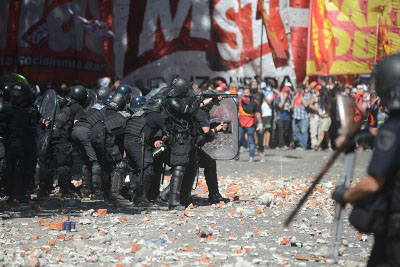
[
  {"x": 261, "y": 48},
  {"x": 377, "y": 37}
]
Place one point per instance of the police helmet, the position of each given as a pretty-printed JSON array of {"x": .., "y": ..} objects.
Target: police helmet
[
  {"x": 12, "y": 78},
  {"x": 102, "y": 92},
  {"x": 136, "y": 103},
  {"x": 8, "y": 80},
  {"x": 124, "y": 90},
  {"x": 179, "y": 87},
  {"x": 79, "y": 94},
  {"x": 107, "y": 98},
  {"x": 155, "y": 103},
  {"x": 117, "y": 102},
  {"x": 387, "y": 81},
  {"x": 19, "y": 89}
]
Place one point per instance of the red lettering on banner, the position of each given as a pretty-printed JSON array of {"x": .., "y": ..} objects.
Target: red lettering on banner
[{"x": 224, "y": 30}]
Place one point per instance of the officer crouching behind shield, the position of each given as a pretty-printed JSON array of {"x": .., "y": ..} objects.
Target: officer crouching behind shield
[{"x": 381, "y": 215}]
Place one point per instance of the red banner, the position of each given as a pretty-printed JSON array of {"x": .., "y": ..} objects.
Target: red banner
[
  {"x": 49, "y": 45},
  {"x": 277, "y": 50},
  {"x": 228, "y": 31}
]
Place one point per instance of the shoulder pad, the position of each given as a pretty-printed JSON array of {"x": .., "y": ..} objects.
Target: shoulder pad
[
  {"x": 125, "y": 114},
  {"x": 138, "y": 113},
  {"x": 174, "y": 105},
  {"x": 98, "y": 106}
]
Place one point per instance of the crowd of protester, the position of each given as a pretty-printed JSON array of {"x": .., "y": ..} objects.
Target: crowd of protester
[{"x": 301, "y": 117}]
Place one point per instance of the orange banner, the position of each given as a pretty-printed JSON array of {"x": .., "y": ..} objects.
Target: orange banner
[
  {"x": 278, "y": 52},
  {"x": 354, "y": 27},
  {"x": 322, "y": 37}
]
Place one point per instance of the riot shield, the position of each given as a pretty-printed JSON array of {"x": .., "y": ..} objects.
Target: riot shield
[
  {"x": 225, "y": 145},
  {"x": 152, "y": 93},
  {"x": 48, "y": 105},
  {"x": 136, "y": 91},
  {"x": 47, "y": 109},
  {"x": 93, "y": 98}
]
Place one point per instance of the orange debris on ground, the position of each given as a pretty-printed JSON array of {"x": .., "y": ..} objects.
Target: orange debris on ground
[{"x": 135, "y": 247}]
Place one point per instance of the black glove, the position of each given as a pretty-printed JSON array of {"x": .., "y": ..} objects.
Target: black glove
[{"x": 338, "y": 194}]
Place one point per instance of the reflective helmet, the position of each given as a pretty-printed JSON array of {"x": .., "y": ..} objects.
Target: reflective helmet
[
  {"x": 117, "y": 102},
  {"x": 155, "y": 103},
  {"x": 179, "y": 87},
  {"x": 124, "y": 90},
  {"x": 136, "y": 103},
  {"x": 8, "y": 80},
  {"x": 107, "y": 98},
  {"x": 12, "y": 78},
  {"x": 102, "y": 92},
  {"x": 387, "y": 81},
  {"x": 79, "y": 94}
]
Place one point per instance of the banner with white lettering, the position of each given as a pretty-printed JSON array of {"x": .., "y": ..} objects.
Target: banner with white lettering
[
  {"x": 197, "y": 39},
  {"x": 43, "y": 41}
]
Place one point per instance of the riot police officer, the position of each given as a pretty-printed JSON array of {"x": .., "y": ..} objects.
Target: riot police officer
[
  {"x": 5, "y": 88},
  {"x": 21, "y": 119},
  {"x": 383, "y": 176},
  {"x": 59, "y": 152},
  {"x": 181, "y": 105},
  {"x": 205, "y": 161},
  {"x": 91, "y": 169},
  {"x": 140, "y": 139},
  {"x": 106, "y": 138}
]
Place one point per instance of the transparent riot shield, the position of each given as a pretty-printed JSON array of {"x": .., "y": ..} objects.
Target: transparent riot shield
[
  {"x": 225, "y": 145},
  {"x": 93, "y": 98},
  {"x": 48, "y": 108}
]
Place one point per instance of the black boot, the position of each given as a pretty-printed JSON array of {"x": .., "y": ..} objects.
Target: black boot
[
  {"x": 175, "y": 188},
  {"x": 97, "y": 194},
  {"x": 187, "y": 185},
  {"x": 116, "y": 187},
  {"x": 85, "y": 191},
  {"x": 164, "y": 196},
  {"x": 210, "y": 175},
  {"x": 216, "y": 198}
]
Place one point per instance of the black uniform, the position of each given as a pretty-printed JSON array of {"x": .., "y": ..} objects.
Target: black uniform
[
  {"x": 107, "y": 140},
  {"x": 20, "y": 141},
  {"x": 59, "y": 152},
  {"x": 81, "y": 136},
  {"x": 146, "y": 124},
  {"x": 385, "y": 163},
  {"x": 205, "y": 161},
  {"x": 181, "y": 125}
]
